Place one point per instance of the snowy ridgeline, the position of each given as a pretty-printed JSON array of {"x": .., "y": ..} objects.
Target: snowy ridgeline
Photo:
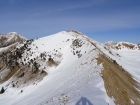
[
  {"x": 74, "y": 80},
  {"x": 69, "y": 59}
]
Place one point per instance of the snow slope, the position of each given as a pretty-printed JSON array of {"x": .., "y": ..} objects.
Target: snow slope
[{"x": 75, "y": 80}]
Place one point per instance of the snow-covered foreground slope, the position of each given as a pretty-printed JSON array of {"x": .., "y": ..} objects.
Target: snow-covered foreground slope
[{"x": 73, "y": 76}]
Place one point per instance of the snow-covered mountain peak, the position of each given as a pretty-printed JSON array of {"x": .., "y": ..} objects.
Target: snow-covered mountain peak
[
  {"x": 66, "y": 41},
  {"x": 75, "y": 32},
  {"x": 10, "y": 33},
  {"x": 15, "y": 35},
  {"x": 10, "y": 38}
]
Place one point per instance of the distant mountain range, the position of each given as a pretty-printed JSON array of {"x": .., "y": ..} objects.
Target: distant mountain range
[
  {"x": 68, "y": 68},
  {"x": 122, "y": 45}
]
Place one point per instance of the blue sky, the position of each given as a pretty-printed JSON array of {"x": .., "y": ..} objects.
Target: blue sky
[{"x": 102, "y": 20}]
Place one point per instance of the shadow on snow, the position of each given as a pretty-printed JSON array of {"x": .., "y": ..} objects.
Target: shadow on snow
[{"x": 83, "y": 101}]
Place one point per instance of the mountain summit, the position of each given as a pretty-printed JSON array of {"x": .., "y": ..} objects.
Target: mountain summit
[
  {"x": 10, "y": 38},
  {"x": 68, "y": 68}
]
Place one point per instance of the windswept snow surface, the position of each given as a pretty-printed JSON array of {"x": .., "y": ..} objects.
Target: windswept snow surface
[{"x": 75, "y": 81}]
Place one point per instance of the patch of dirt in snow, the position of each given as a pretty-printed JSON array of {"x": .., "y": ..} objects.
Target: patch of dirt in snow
[{"x": 119, "y": 83}]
